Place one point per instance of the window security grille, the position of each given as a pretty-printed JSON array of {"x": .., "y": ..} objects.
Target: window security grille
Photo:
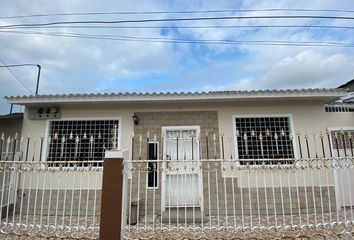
[
  {"x": 83, "y": 140},
  {"x": 264, "y": 140},
  {"x": 343, "y": 140},
  {"x": 339, "y": 108}
]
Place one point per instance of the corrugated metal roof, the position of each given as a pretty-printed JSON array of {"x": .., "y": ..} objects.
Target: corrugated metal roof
[{"x": 136, "y": 96}]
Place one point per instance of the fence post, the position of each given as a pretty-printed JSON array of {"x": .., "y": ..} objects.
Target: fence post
[{"x": 112, "y": 195}]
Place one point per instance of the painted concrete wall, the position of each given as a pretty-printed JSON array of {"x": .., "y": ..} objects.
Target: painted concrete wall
[{"x": 307, "y": 116}]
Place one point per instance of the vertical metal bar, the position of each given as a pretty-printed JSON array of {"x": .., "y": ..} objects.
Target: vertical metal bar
[
  {"x": 344, "y": 144},
  {"x": 88, "y": 171},
  {"x": 307, "y": 145},
  {"x": 266, "y": 195},
  {"x": 337, "y": 145},
  {"x": 27, "y": 148},
  {"x": 225, "y": 200},
  {"x": 230, "y": 140},
  {"x": 217, "y": 194},
  {"x": 208, "y": 169},
  {"x": 281, "y": 195},
  {"x": 41, "y": 148},
  {"x": 214, "y": 143},
  {"x": 233, "y": 195},
  {"x": 222, "y": 146},
  {"x": 133, "y": 146},
  {"x": 329, "y": 192},
  {"x": 298, "y": 196},
  {"x": 322, "y": 145},
  {"x": 258, "y": 203},
  {"x": 328, "y": 133},
  {"x": 192, "y": 147},
  {"x": 241, "y": 193},
  {"x": 177, "y": 147},
  {"x": 147, "y": 144},
  {"x": 290, "y": 198},
  {"x": 138, "y": 199},
  {"x": 140, "y": 142},
  {"x": 146, "y": 169},
  {"x": 274, "y": 198},
  {"x": 299, "y": 141},
  {"x": 207, "y": 145},
  {"x": 72, "y": 196},
  {"x": 36, "y": 193}
]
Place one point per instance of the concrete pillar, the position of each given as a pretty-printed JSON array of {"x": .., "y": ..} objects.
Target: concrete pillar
[{"x": 112, "y": 195}]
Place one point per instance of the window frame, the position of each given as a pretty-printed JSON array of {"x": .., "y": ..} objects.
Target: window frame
[
  {"x": 291, "y": 126},
  {"x": 46, "y": 136}
]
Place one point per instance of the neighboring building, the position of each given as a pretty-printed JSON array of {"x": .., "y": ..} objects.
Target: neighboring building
[
  {"x": 348, "y": 86},
  {"x": 345, "y": 103},
  {"x": 251, "y": 127},
  {"x": 11, "y": 124}
]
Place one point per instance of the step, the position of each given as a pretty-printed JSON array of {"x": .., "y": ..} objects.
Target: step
[{"x": 183, "y": 215}]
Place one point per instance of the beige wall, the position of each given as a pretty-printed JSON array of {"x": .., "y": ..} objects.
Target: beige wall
[{"x": 307, "y": 116}]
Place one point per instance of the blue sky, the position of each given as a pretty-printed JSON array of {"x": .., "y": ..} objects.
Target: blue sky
[{"x": 72, "y": 65}]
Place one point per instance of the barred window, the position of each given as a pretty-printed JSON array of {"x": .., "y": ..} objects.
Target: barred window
[
  {"x": 343, "y": 140},
  {"x": 80, "y": 140},
  {"x": 264, "y": 140}
]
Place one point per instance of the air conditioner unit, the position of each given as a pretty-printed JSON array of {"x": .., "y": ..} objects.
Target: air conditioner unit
[{"x": 45, "y": 112}]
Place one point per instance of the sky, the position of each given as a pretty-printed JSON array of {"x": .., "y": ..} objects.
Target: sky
[{"x": 77, "y": 65}]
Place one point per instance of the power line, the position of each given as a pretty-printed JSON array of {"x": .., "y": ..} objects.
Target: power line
[
  {"x": 179, "y": 40},
  {"x": 191, "y": 27},
  {"x": 16, "y": 77},
  {"x": 178, "y": 12},
  {"x": 179, "y": 19}
]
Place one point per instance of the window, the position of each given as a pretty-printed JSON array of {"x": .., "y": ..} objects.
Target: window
[
  {"x": 264, "y": 140},
  {"x": 342, "y": 142},
  {"x": 152, "y": 176},
  {"x": 80, "y": 140},
  {"x": 340, "y": 107}
]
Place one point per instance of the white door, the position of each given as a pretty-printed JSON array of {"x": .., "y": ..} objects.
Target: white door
[{"x": 182, "y": 176}]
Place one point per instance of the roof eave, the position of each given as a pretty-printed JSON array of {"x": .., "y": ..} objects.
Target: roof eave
[{"x": 174, "y": 98}]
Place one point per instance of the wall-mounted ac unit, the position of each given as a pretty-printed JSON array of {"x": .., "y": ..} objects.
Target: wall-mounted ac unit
[{"x": 45, "y": 112}]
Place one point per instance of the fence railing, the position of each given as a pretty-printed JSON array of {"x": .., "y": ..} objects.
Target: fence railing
[
  {"x": 224, "y": 199},
  {"x": 275, "y": 184},
  {"x": 57, "y": 197},
  {"x": 257, "y": 183}
]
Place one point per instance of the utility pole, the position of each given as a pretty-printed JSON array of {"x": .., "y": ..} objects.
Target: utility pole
[{"x": 25, "y": 65}]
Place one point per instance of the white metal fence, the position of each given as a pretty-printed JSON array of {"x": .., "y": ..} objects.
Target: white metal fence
[
  {"x": 284, "y": 186},
  {"x": 42, "y": 198}
]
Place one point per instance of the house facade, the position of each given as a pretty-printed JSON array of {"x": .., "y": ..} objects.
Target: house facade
[{"x": 170, "y": 132}]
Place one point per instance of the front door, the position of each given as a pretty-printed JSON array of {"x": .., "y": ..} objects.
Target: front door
[{"x": 182, "y": 185}]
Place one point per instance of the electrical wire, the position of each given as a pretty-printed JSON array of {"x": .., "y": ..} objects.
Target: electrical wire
[
  {"x": 181, "y": 40},
  {"x": 177, "y": 12},
  {"x": 191, "y": 27},
  {"x": 15, "y": 76},
  {"x": 179, "y": 19}
]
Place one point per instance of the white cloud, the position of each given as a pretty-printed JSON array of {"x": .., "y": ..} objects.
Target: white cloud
[
  {"x": 82, "y": 65},
  {"x": 241, "y": 84},
  {"x": 310, "y": 69}
]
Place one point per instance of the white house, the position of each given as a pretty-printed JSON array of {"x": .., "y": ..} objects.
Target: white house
[{"x": 218, "y": 153}]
